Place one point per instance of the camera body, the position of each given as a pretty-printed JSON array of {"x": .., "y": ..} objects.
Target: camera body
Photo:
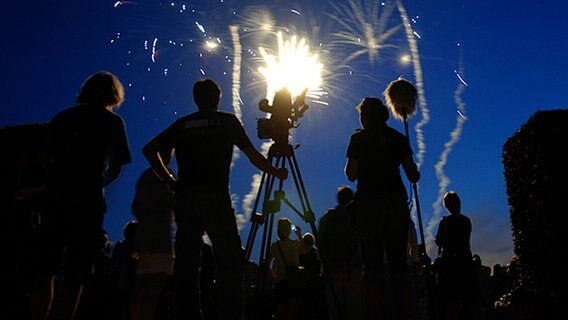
[{"x": 283, "y": 112}]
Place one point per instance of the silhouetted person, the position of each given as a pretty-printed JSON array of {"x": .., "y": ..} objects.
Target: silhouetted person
[
  {"x": 124, "y": 261},
  {"x": 501, "y": 283},
  {"x": 250, "y": 281},
  {"x": 458, "y": 285},
  {"x": 203, "y": 143},
  {"x": 339, "y": 241},
  {"x": 286, "y": 252},
  {"x": 95, "y": 298},
  {"x": 153, "y": 208},
  {"x": 20, "y": 212},
  {"x": 374, "y": 156},
  {"x": 483, "y": 273},
  {"x": 88, "y": 147},
  {"x": 313, "y": 304}
]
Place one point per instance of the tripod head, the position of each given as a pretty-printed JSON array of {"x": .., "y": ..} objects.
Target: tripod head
[{"x": 284, "y": 115}]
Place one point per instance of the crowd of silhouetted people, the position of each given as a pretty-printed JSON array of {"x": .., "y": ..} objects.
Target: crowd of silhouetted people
[
  {"x": 108, "y": 288},
  {"x": 363, "y": 262}
]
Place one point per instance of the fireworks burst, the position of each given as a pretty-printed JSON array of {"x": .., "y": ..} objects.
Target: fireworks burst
[
  {"x": 365, "y": 26},
  {"x": 294, "y": 67}
]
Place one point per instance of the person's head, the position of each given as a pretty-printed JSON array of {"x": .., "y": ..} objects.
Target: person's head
[
  {"x": 476, "y": 260},
  {"x": 344, "y": 195},
  {"x": 372, "y": 111},
  {"x": 207, "y": 95},
  {"x": 309, "y": 239},
  {"x": 129, "y": 231},
  {"x": 497, "y": 269},
  {"x": 284, "y": 228},
  {"x": 102, "y": 88},
  {"x": 452, "y": 202}
]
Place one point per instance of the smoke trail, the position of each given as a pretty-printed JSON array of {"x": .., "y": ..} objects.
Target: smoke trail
[
  {"x": 236, "y": 97},
  {"x": 236, "y": 103},
  {"x": 415, "y": 56},
  {"x": 237, "y": 59},
  {"x": 249, "y": 198},
  {"x": 454, "y": 138}
]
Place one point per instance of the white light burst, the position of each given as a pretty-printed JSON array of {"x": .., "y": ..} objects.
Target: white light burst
[{"x": 294, "y": 67}]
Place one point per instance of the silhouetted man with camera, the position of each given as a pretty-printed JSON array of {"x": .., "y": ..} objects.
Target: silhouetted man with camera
[{"x": 203, "y": 143}]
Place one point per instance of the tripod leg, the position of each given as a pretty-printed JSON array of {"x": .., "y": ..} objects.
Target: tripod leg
[
  {"x": 255, "y": 221},
  {"x": 266, "y": 186}
]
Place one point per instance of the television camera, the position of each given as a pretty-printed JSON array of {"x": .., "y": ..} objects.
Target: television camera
[{"x": 284, "y": 114}]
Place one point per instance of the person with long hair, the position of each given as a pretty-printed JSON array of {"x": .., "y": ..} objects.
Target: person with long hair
[{"x": 88, "y": 146}]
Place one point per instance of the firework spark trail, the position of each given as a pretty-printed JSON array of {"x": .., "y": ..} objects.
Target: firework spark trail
[
  {"x": 411, "y": 37},
  {"x": 454, "y": 138},
  {"x": 154, "y": 44}
]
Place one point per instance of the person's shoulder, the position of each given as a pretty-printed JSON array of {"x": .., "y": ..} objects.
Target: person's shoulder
[
  {"x": 395, "y": 133},
  {"x": 333, "y": 212},
  {"x": 358, "y": 134},
  {"x": 226, "y": 116},
  {"x": 113, "y": 116},
  {"x": 64, "y": 113},
  {"x": 465, "y": 217}
]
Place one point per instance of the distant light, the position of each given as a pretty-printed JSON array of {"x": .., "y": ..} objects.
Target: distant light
[
  {"x": 211, "y": 45},
  {"x": 405, "y": 59}
]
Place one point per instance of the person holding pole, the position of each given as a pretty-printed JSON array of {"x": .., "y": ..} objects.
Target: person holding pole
[{"x": 374, "y": 157}]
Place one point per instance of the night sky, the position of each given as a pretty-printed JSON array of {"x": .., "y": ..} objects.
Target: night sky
[{"x": 483, "y": 68}]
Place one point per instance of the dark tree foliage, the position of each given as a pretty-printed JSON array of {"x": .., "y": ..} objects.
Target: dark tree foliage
[{"x": 536, "y": 174}]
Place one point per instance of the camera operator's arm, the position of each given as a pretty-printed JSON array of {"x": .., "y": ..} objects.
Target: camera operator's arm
[{"x": 259, "y": 161}]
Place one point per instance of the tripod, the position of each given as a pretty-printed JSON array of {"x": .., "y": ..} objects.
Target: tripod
[{"x": 279, "y": 154}]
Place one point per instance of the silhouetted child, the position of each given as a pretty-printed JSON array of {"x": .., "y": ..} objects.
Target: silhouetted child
[
  {"x": 339, "y": 242},
  {"x": 153, "y": 208},
  {"x": 458, "y": 285}
]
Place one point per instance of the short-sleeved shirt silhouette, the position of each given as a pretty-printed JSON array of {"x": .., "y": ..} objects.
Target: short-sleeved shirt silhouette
[
  {"x": 453, "y": 236},
  {"x": 84, "y": 139},
  {"x": 203, "y": 143},
  {"x": 379, "y": 151},
  {"x": 338, "y": 238}
]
